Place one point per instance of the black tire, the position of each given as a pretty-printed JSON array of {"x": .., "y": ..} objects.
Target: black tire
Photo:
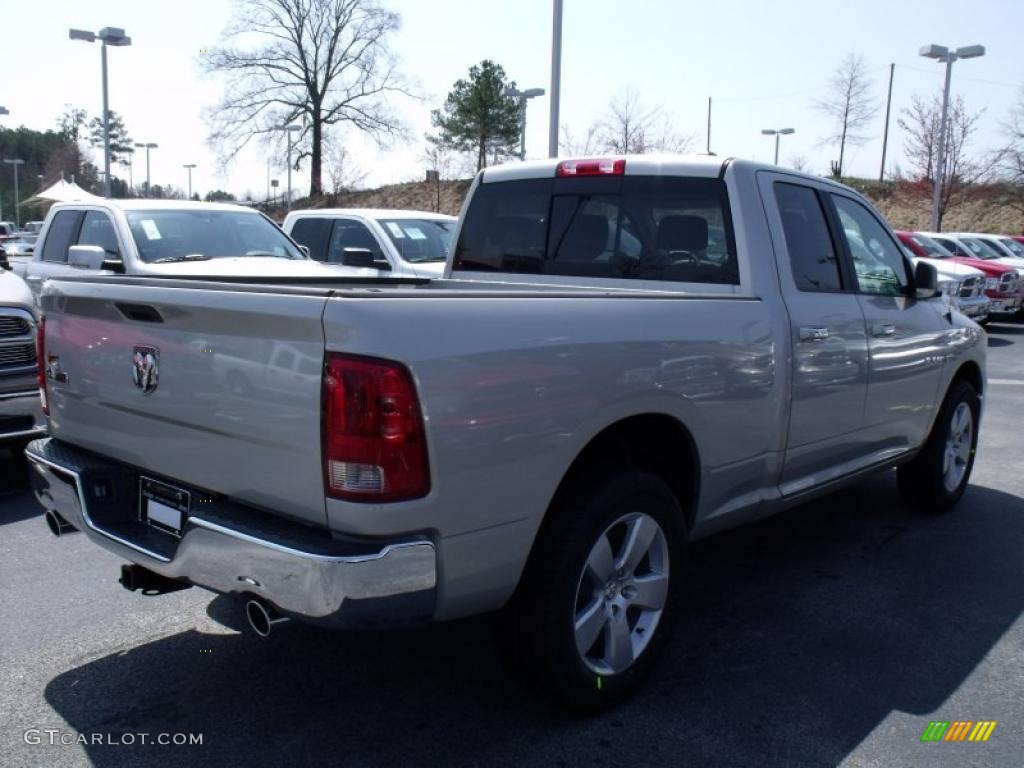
[
  {"x": 540, "y": 618},
  {"x": 921, "y": 481}
]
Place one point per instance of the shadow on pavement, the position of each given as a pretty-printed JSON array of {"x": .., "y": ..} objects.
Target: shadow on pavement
[
  {"x": 13, "y": 484},
  {"x": 802, "y": 633}
]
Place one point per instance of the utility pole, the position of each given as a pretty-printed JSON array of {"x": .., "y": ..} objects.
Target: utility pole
[
  {"x": 885, "y": 135},
  {"x": 556, "y": 77}
]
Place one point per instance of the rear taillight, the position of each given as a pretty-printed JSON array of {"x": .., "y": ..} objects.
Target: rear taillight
[
  {"x": 602, "y": 166},
  {"x": 41, "y": 364},
  {"x": 374, "y": 444}
]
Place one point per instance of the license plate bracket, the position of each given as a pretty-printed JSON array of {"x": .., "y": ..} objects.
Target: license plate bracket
[{"x": 162, "y": 506}]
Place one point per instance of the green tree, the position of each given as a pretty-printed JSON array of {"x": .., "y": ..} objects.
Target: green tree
[
  {"x": 479, "y": 115},
  {"x": 121, "y": 144},
  {"x": 219, "y": 196},
  {"x": 71, "y": 123}
]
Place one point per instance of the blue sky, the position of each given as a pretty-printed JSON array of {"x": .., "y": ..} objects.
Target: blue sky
[{"x": 761, "y": 62}]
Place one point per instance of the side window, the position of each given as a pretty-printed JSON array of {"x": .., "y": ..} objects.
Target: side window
[
  {"x": 314, "y": 234},
  {"x": 59, "y": 235},
  {"x": 351, "y": 234},
  {"x": 98, "y": 230},
  {"x": 812, "y": 255},
  {"x": 878, "y": 262}
]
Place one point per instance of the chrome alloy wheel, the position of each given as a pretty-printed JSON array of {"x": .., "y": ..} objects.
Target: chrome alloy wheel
[
  {"x": 621, "y": 593},
  {"x": 958, "y": 447}
]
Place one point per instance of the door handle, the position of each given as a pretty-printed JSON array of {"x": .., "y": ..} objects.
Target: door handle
[
  {"x": 883, "y": 329},
  {"x": 813, "y": 333}
]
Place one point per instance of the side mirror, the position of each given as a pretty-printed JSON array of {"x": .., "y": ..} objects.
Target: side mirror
[
  {"x": 926, "y": 281},
  {"x": 4, "y": 263},
  {"x": 305, "y": 250},
  {"x": 86, "y": 257},
  {"x": 363, "y": 257}
]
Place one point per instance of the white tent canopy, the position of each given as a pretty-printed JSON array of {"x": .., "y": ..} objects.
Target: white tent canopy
[{"x": 61, "y": 192}]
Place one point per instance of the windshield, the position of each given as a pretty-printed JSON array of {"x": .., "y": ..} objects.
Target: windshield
[
  {"x": 930, "y": 247},
  {"x": 1012, "y": 246},
  {"x": 198, "y": 235},
  {"x": 979, "y": 249},
  {"x": 420, "y": 240}
]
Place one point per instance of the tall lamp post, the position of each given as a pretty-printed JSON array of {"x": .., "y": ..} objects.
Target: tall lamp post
[
  {"x": 147, "y": 146},
  {"x": 943, "y": 54},
  {"x": 4, "y": 111},
  {"x": 108, "y": 36},
  {"x": 16, "y": 161},
  {"x": 189, "y": 167},
  {"x": 522, "y": 97},
  {"x": 776, "y": 133},
  {"x": 290, "y": 129},
  {"x": 556, "y": 77}
]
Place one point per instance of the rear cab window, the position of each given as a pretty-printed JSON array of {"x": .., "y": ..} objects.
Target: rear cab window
[{"x": 664, "y": 228}]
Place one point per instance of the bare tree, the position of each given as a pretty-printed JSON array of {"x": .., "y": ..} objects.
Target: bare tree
[
  {"x": 800, "y": 163},
  {"x": 631, "y": 128},
  {"x": 849, "y": 104},
  {"x": 313, "y": 62},
  {"x": 580, "y": 145},
  {"x": 921, "y": 123},
  {"x": 628, "y": 128},
  {"x": 342, "y": 172},
  {"x": 1010, "y": 159}
]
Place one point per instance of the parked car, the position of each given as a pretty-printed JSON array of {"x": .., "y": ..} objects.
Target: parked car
[
  {"x": 163, "y": 238},
  {"x": 1010, "y": 244},
  {"x": 34, "y": 227},
  {"x": 984, "y": 247},
  {"x": 1002, "y": 283},
  {"x": 21, "y": 413},
  {"x": 8, "y": 230},
  {"x": 962, "y": 284},
  {"x": 600, "y": 381},
  {"x": 373, "y": 241}
]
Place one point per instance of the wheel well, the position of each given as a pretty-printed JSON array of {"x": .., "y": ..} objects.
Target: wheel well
[
  {"x": 656, "y": 442},
  {"x": 971, "y": 373}
]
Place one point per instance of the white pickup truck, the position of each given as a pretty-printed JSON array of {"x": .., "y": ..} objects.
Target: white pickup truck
[
  {"x": 374, "y": 241},
  {"x": 625, "y": 354},
  {"x": 161, "y": 238}
]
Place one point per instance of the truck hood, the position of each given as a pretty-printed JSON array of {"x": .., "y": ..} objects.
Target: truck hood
[
  {"x": 14, "y": 292},
  {"x": 950, "y": 269},
  {"x": 249, "y": 266},
  {"x": 990, "y": 267}
]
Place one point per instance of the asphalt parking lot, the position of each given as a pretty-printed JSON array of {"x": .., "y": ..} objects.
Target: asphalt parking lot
[{"x": 830, "y": 635}]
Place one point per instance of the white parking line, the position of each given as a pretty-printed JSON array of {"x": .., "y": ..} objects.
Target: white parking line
[{"x": 1013, "y": 382}]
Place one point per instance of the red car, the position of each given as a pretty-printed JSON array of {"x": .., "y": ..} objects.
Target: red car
[{"x": 1001, "y": 285}]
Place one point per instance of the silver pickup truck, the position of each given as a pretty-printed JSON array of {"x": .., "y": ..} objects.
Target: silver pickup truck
[
  {"x": 625, "y": 354},
  {"x": 21, "y": 413}
]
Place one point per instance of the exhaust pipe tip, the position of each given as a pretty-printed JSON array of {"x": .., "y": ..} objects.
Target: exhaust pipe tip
[
  {"x": 262, "y": 617},
  {"x": 58, "y": 525}
]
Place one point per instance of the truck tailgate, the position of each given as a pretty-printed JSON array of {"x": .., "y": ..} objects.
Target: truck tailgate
[{"x": 233, "y": 406}]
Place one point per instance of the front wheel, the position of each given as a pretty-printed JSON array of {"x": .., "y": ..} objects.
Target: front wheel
[
  {"x": 937, "y": 477},
  {"x": 600, "y": 593}
]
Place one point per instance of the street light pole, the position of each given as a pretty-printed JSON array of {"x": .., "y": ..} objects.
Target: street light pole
[
  {"x": 4, "y": 111},
  {"x": 107, "y": 36},
  {"x": 147, "y": 146},
  {"x": 522, "y": 97},
  {"x": 15, "y": 162},
  {"x": 943, "y": 54},
  {"x": 777, "y": 133},
  {"x": 556, "y": 77},
  {"x": 290, "y": 129},
  {"x": 189, "y": 167}
]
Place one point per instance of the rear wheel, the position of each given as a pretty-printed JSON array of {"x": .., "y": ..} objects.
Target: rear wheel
[
  {"x": 600, "y": 593},
  {"x": 937, "y": 477}
]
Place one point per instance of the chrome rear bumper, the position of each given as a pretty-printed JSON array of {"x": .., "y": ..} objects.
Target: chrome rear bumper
[
  {"x": 21, "y": 416},
  {"x": 232, "y": 549}
]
